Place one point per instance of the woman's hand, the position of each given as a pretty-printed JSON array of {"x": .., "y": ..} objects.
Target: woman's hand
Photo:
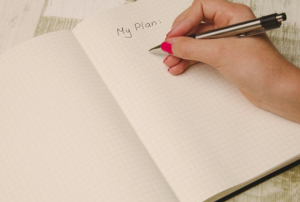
[{"x": 253, "y": 64}]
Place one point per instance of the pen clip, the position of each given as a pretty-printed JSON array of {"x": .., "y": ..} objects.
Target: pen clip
[{"x": 252, "y": 33}]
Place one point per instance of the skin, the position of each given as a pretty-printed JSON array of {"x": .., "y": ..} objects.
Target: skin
[{"x": 253, "y": 64}]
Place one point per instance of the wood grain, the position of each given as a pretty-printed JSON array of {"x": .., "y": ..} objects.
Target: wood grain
[
  {"x": 282, "y": 188},
  {"x": 49, "y": 24},
  {"x": 286, "y": 39},
  {"x": 18, "y": 21},
  {"x": 286, "y": 186}
]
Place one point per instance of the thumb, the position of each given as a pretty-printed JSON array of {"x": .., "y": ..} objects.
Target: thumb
[{"x": 203, "y": 50}]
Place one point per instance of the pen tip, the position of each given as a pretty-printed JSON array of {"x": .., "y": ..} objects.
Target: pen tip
[{"x": 156, "y": 47}]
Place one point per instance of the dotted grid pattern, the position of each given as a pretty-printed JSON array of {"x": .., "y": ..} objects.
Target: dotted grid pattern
[
  {"x": 63, "y": 137},
  {"x": 199, "y": 129}
]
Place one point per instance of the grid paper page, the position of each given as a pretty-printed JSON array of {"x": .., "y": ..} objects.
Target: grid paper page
[
  {"x": 202, "y": 133},
  {"x": 63, "y": 137}
]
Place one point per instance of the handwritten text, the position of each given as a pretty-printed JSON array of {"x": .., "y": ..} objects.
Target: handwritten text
[{"x": 128, "y": 32}]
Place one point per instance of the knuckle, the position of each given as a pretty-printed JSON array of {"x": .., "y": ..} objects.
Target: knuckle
[
  {"x": 198, "y": 1},
  {"x": 244, "y": 9},
  {"x": 189, "y": 21}
]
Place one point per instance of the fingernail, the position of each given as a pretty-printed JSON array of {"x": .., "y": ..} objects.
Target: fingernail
[
  {"x": 166, "y": 58},
  {"x": 167, "y": 47},
  {"x": 167, "y": 35}
]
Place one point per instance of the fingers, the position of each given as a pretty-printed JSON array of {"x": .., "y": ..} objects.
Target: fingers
[
  {"x": 171, "y": 61},
  {"x": 183, "y": 15},
  {"x": 215, "y": 14},
  {"x": 180, "y": 67},
  {"x": 179, "y": 18},
  {"x": 204, "y": 50},
  {"x": 176, "y": 65},
  {"x": 188, "y": 21},
  {"x": 219, "y": 12},
  {"x": 202, "y": 28}
]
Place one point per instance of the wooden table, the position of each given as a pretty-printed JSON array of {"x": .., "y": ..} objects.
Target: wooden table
[{"x": 22, "y": 20}]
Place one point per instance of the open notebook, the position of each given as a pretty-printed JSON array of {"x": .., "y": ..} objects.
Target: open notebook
[{"x": 91, "y": 115}]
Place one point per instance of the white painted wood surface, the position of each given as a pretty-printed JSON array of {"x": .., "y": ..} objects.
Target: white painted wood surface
[
  {"x": 18, "y": 21},
  {"x": 77, "y": 8},
  {"x": 21, "y": 20},
  {"x": 68, "y": 18}
]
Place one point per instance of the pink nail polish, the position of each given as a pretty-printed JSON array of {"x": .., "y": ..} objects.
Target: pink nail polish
[
  {"x": 167, "y": 47},
  {"x": 166, "y": 58}
]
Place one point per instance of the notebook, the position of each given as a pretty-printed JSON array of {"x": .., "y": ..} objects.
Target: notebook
[{"x": 92, "y": 115}]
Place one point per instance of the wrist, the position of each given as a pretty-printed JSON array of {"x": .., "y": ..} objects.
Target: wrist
[{"x": 284, "y": 96}]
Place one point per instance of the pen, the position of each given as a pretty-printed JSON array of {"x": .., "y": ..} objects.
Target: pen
[{"x": 243, "y": 29}]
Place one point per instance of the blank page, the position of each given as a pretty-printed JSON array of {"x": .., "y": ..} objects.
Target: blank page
[
  {"x": 63, "y": 136},
  {"x": 202, "y": 133}
]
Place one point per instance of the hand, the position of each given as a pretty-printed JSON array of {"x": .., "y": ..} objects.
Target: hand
[{"x": 253, "y": 64}]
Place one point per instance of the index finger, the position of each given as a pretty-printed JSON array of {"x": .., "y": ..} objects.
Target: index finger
[{"x": 221, "y": 12}]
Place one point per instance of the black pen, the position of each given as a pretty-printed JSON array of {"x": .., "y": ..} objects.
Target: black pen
[{"x": 243, "y": 29}]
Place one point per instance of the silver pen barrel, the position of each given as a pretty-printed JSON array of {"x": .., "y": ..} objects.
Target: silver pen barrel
[
  {"x": 256, "y": 26},
  {"x": 232, "y": 30},
  {"x": 243, "y": 29}
]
